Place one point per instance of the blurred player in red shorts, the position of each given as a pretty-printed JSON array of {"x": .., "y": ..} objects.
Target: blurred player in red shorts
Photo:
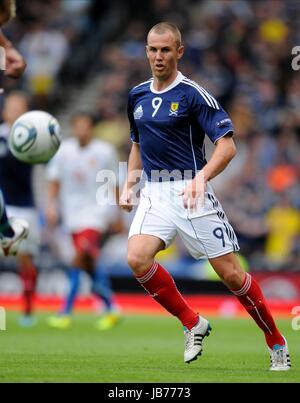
[{"x": 72, "y": 193}]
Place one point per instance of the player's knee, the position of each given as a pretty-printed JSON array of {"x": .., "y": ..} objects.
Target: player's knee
[
  {"x": 138, "y": 263},
  {"x": 232, "y": 277},
  {"x": 25, "y": 260},
  {"x": 135, "y": 262}
]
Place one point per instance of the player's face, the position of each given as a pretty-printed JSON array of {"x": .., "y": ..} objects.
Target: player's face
[
  {"x": 163, "y": 54},
  {"x": 82, "y": 129}
]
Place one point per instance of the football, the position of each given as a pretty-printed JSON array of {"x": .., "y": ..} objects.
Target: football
[{"x": 35, "y": 137}]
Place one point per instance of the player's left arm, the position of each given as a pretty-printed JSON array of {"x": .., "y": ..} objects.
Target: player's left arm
[
  {"x": 15, "y": 63},
  {"x": 217, "y": 125},
  {"x": 224, "y": 152}
]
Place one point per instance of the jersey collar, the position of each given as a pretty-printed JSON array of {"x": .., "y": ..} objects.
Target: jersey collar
[{"x": 177, "y": 81}]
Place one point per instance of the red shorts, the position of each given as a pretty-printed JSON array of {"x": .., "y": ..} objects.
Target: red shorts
[{"x": 87, "y": 241}]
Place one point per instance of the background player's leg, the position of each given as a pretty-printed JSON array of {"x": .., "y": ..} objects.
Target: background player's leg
[
  {"x": 91, "y": 261},
  {"x": 74, "y": 283},
  {"x": 101, "y": 286},
  {"x": 87, "y": 244},
  {"x": 63, "y": 319},
  {"x": 28, "y": 274},
  {"x": 5, "y": 228},
  {"x": 250, "y": 295}
]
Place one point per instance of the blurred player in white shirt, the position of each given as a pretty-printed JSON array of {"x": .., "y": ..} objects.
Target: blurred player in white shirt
[{"x": 72, "y": 191}]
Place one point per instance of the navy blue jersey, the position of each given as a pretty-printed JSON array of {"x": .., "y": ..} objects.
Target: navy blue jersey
[
  {"x": 170, "y": 126},
  {"x": 15, "y": 176}
]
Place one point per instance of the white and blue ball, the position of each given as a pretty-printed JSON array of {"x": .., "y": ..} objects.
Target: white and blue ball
[{"x": 35, "y": 137}]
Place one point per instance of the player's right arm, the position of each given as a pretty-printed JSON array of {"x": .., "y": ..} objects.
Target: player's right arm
[
  {"x": 133, "y": 176},
  {"x": 53, "y": 175},
  {"x": 52, "y": 203}
]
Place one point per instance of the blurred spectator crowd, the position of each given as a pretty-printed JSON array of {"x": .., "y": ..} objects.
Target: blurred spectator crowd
[{"x": 240, "y": 50}]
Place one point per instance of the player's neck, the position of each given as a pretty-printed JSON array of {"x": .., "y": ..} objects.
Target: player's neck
[
  {"x": 159, "y": 84},
  {"x": 84, "y": 143}
]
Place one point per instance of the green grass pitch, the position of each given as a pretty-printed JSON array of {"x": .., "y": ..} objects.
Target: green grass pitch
[{"x": 140, "y": 349}]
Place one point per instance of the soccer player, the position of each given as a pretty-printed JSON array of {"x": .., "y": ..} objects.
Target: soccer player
[
  {"x": 169, "y": 117},
  {"x": 72, "y": 186},
  {"x": 12, "y": 231},
  {"x": 16, "y": 184}
]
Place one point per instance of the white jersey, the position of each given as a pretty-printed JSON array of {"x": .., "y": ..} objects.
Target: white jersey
[{"x": 77, "y": 168}]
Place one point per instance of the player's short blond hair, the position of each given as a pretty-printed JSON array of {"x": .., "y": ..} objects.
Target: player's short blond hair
[
  {"x": 163, "y": 27},
  {"x": 8, "y": 9}
]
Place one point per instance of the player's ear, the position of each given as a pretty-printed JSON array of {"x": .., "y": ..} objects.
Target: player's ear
[
  {"x": 180, "y": 52},
  {"x": 147, "y": 51}
]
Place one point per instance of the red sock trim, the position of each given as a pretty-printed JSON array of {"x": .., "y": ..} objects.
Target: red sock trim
[
  {"x": 143, "y": 278},
  {"x": 245, "y": 286}
]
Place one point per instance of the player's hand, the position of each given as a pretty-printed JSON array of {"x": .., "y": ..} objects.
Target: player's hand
[
  {"x": 52, "y": 216},
  {"x": 15, "y": 64},
  {"x": 194, "y": 193},
  {"x": 126, "y": 198}
]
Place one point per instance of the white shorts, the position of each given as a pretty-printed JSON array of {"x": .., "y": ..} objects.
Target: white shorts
[
  {"x": 205, "y": 232},
  {"x": 94, "y": 217},
  {"x": 31, "y": 244}
]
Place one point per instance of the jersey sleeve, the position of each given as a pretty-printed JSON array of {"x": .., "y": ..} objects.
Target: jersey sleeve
[
  {"x": 210, "y": 115},
  {"x": 134, "y": 134}
]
